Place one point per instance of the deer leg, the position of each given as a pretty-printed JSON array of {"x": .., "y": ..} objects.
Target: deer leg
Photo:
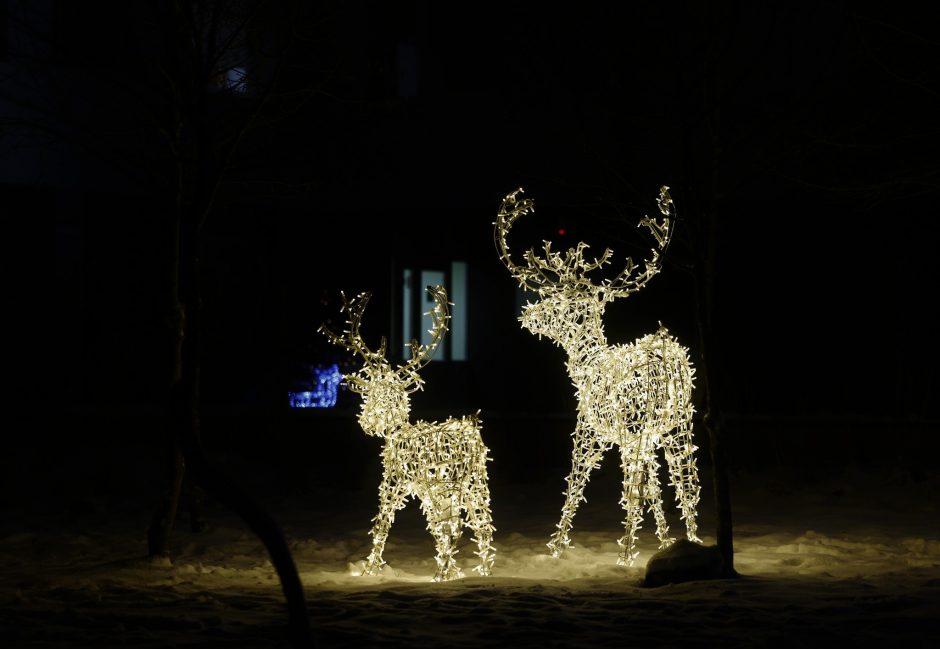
[
  {"x": 480, "y": 520},
  {"x": 391, "y": 499},
  {"x": 445, "y": 525},
  {"x": 585, "y": 456},
  {"x": 654, "y": 498},
  {"x": 683, "y": 473},
  {"x": 631, "y": 458}
]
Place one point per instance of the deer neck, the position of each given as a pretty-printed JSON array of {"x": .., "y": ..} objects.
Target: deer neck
[{"x": 583, "y": 350}]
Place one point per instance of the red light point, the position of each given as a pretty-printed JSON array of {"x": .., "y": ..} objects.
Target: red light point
[{"x": 561, "y": 231}]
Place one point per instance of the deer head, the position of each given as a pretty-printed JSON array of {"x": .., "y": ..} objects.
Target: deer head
[
  {"x": 570, "y": 304},
  {"x": 385, "y": 389}
]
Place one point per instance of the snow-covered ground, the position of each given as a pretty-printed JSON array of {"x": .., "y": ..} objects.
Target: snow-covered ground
[{"x": 850, "y": 558}]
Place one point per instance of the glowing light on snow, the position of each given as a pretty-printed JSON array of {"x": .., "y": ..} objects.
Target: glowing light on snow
[
  {"x": 636, "y": 396},
  {"x": 327, "y": 381},
  {"x": 443, "y": 464}
]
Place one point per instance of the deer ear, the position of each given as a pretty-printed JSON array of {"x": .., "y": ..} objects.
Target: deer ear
[{"x": 355, "y": 382}]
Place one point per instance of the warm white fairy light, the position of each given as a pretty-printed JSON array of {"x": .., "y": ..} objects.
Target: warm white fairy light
[
  {"x": 443, "y": 464},
  {"x": 635, "y": 396}
]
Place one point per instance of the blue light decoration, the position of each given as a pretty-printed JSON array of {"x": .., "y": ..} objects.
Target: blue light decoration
[{"x": 326, "y": 382}]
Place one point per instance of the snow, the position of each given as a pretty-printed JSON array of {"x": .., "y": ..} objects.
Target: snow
[{"x": 848, "y": 557}]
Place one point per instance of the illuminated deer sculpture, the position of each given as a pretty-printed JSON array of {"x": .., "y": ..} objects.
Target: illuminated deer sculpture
[
  {"x": 443, "y": 464},
  {"x": 637, "y": 396}
]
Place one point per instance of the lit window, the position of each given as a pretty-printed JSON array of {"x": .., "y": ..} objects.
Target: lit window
[{"x": 415, "y": 304}]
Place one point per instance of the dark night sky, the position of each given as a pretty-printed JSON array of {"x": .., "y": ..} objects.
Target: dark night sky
[{"x": 810, "y": 128}]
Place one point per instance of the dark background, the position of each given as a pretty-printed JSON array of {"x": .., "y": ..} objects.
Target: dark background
[
  {"x": 800, "y": 144},
  {"x": 808, "y": 130}
]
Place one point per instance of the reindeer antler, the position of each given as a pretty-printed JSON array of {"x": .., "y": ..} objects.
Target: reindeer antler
[
  {"x": 623, "y": 284},
  {"x": 421, "y": 354},
  {"x": 511, "y": 209},
  {"x": 541, "y": 273},
  {"x": 351, "y": 338}
]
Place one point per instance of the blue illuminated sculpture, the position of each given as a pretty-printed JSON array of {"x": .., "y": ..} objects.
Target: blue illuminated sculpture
[{"x": 326, "y": 381}]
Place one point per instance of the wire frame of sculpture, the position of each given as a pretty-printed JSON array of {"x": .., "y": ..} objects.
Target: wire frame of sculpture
[
  {"x": 443, "y": 464},
  {"x": 635, "y": 396}
]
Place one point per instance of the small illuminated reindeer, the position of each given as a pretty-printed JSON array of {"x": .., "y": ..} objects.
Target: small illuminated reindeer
[
  {"x": 443, "y": 464},
  {"x": 637, "y": 396}
]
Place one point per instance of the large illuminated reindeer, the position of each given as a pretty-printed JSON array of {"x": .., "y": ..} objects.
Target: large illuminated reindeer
[
  {"x": 443, "y": 464},
  {"x": 637, "y": 396}
]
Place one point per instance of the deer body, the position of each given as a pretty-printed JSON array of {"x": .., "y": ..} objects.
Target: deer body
[
  {"x": 624, "y": 375},
  {"x": 634, "y": 396},
  {"x": 443, "y": 464}
]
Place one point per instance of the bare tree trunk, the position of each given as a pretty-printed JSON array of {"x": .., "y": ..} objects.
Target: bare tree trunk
[
  {"x": 186, "y": 400},
  {"x": 161, "y": 525},
  {"x": 188, "y": 452},
  {"x": 258, "y": 520},
  {"x": 711, "y": 417},
  {"x": 189, "y": 60},
  {"x": 706, "y": 278}
]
